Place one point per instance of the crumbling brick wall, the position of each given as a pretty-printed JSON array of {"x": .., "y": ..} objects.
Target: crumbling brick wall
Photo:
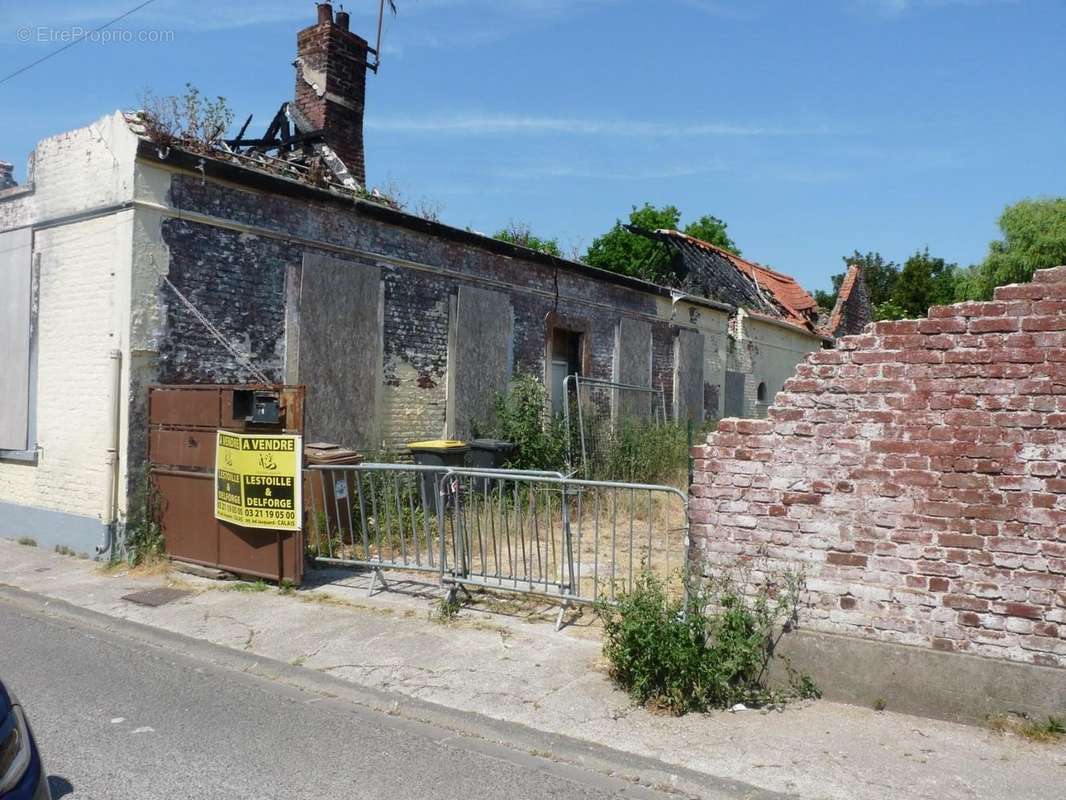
[
  {"x": 237, "y": 279},
  {"x": 210, "y": 267},
  {"x": 918, "y": 474}
]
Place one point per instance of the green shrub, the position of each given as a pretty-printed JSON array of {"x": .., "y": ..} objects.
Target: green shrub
[
  {"x": 708, "y": 650},
  {"x": 522, "y": 418}
]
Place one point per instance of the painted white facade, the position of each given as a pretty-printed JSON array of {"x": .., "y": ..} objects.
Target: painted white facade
[
  {"x": 77, "y": 199},
  {"x": 766, "y": 352}
]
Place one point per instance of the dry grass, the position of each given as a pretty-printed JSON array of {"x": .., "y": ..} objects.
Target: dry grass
[
  {"x": 1053, "y": 729},
  {"x": 149, "y": 568}
]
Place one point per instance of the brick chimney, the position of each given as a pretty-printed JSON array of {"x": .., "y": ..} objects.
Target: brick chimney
[
  {"x": 331, "y": 64},
  {"x": 7, "y": 176}
]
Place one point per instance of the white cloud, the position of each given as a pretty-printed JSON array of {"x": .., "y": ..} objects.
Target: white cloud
[
  {"x": 726, "y": 9},
  {"x": 488, "y": 124},
  {"x": 898, "y": 8},
  {"x": 555, "y": 170}
]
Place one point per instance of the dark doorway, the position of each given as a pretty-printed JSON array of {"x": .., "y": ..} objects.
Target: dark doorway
[{"x": 565, "y": 360}]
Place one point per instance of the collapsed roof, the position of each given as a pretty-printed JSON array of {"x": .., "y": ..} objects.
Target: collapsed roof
[{"x": 717, "y": 273}]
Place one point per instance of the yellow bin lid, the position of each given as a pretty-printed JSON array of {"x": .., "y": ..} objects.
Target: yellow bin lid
[{"x": 436, "y": 444}]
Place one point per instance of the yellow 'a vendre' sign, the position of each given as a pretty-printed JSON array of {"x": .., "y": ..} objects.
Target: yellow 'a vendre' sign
[{"x": 257, "y": 480}]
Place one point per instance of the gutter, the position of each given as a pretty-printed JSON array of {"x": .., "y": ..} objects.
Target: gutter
[{"x": 109, "y": 512}]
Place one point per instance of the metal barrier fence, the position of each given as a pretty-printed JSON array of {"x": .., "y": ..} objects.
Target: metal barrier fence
[
  {"x": 579, "y": 541},
  {"x": 381, "y": 516},
  {"x": 595, "y": 411}
]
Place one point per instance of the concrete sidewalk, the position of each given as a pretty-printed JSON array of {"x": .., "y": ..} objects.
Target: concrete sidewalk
[{"x": 504, "y": 660}]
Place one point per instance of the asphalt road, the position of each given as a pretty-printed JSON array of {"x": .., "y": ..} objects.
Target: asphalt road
[{"x": 118, "y": 718}]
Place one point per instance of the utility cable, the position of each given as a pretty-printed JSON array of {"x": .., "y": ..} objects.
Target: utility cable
[{"x": 73, "y": 42}]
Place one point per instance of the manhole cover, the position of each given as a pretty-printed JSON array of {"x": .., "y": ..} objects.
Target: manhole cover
[{"x": 155, "y": 597}]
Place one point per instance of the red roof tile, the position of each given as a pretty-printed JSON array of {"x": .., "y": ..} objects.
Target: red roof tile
[{"x": 792, "y": 297}]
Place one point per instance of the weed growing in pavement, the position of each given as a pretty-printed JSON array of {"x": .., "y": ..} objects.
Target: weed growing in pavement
[
  {"x": 245, "y": 586},
  {"x": 707, "y": 649},
  {"x": 142, "y": 538},
  {"x": 1051, "y": 730},
  {"x": 447, "y": 610},
  {"x": 28, "y": 541}
]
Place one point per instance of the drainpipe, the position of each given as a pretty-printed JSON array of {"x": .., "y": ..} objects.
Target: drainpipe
[{"x": 109, "y": 512}]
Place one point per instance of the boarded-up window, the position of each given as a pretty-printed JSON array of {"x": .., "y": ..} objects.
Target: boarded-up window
[
  {"x": 16, "y": 249},
  {"x": 480, "y": 359},
  {"x": 632, "y": 367},
  {"x": 335, "y": 348},
  {"x": 688, "y": 376},
  {"x": 734, "y": 394}
]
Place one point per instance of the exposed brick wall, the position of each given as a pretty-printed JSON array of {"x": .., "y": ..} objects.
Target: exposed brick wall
[
  {"x": 416, "y": 356},
  {"x": 853, "y": 310},
  {"x": 236, "y": 281},
  {"x": 918, "y": 473}
]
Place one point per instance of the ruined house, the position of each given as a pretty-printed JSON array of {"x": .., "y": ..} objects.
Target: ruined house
[
  {"x": 127, "y": 261},
  {"x": 774, "y": 326},
  {"x": 852, "y": 311}
]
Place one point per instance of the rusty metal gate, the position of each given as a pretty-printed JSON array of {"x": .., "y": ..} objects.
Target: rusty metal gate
[{"x": 181, "y": 454}]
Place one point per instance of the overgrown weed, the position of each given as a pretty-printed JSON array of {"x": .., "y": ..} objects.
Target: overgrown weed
[{"x": 706, "y": 648}]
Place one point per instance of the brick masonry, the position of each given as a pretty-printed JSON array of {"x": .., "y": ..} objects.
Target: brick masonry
[
  {"x": 918, "y": 474},
  {"x": 331, "y": 88},
  {"x": 237, "y": 280}
]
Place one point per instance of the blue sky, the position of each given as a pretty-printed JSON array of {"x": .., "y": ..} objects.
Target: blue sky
[{"x": 813, "y": 128}]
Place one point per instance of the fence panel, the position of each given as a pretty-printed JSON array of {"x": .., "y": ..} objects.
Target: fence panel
[
  {"x": 377, "y": 515},
  {"x": 383, "y": 516},
  {"x": 581, "y": 541},
  {"x": 596, "y": 412}
]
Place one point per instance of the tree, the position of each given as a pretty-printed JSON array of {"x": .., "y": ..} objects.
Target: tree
[
  {"x": 713, "y": 231},
  {"x": 519, "y": 233},
  {"x": 1034, "y": 237},
  {"x": 826, "y": 299},
  {"x": 924, "y": 281},
  {"x": 619, "y": 250}
]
